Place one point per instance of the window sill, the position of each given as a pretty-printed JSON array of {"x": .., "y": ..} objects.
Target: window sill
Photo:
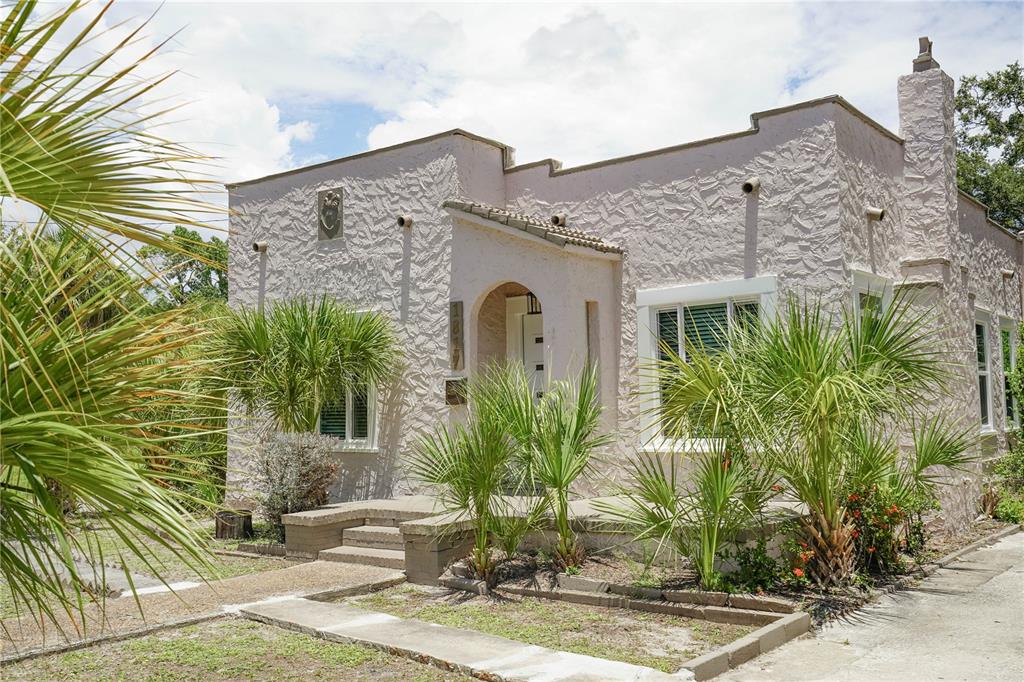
[
  {"x": 989, "y": 431},
  {"x": 355, "y": 449},
  {"x": 682, "y": 445}
]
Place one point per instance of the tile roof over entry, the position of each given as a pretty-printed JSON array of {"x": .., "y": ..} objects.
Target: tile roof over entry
[{"x": 556, "y": 234}]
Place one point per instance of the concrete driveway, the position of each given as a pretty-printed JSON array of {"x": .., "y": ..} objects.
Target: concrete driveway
[{"x": 965, "y": 622}]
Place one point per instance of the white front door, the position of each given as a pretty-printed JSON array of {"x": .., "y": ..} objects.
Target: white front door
[
  {"x": 533, "y": 350},
  {"x": 525, "y": 342}
]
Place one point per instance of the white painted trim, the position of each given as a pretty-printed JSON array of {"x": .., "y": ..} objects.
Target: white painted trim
[
  {"x": 710, "y": 292},
  {"x": 368, "y": 444}
]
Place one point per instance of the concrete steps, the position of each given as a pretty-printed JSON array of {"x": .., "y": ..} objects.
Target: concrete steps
[
  {"x": 369, "y": 556},
  {"x": 373, "y": 537}
]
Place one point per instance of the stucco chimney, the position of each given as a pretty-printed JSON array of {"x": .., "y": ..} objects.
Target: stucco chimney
[{"x": 926, "y": 123}]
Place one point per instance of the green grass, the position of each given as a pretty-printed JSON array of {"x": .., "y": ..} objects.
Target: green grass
[
  {"x": 657, "y": 641},
  {"x": 225, "y": 650}
]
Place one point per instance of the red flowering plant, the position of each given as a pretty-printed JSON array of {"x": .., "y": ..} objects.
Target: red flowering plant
[{"x": 886, "y": 527}]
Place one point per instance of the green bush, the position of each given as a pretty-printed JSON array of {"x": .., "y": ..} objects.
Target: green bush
[
  {"x": 1011, "y": 508},
  {"x": 757, "y": 570},
  {"x": 1010, "y": 468}
]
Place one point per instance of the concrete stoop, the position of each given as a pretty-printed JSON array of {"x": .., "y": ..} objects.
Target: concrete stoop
[
  {"x": 368, "y": 556},
  {"x": 467, "y": 651},
  {"x": 374, "y": 537}
]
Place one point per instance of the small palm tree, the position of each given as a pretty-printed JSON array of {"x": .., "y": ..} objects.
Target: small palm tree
[
  {"x": 794, "y": 397},
  {"x": 468, "y": 466},
  {"x": 563, "y": 443},
  {"x": 288, "y": 362}
]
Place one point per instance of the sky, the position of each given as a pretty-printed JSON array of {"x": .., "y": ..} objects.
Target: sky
[{"x": 272, "y": 86}]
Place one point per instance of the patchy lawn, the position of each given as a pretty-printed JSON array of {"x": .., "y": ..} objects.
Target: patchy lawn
[
  {"x": 654, "y": 640},
  {"x": 162, "y": 560},
  {"x": 227, "y": 649}
]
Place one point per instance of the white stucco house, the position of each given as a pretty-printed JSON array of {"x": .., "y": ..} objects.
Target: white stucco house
[{"x": 476, "y": 257}]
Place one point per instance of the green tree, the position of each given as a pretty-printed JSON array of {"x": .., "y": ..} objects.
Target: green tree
[
  {"x": 990, "y": 142},
  {"x": 188, "y": 268},
  {"x": 90, "y": 375},
  {"x": 819, "y": 403}
]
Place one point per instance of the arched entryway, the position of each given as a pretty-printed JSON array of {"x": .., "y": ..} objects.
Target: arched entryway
[{"x": 510, "y": 326}]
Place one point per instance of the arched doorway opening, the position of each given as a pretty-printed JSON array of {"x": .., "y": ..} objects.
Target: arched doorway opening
[{"x": 510, "y": 327}]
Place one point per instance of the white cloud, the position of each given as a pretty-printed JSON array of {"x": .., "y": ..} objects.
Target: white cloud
[{"x": 575, "y": 82}]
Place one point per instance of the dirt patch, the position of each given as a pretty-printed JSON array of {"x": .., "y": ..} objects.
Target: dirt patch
[
  {"x": 659, "y": 641},
  {"x": 228, "y": 649}
]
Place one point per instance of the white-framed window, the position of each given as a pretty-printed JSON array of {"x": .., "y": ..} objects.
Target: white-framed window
[
  {"x": 982, "y": 356},
  {"x": 705, "y": 326},
  {"x": 870, "y": 292},
  {"x": 689, "y": 316},
  {"x": 352, "y": 420},
  {"x": 1008, "y": 346}
]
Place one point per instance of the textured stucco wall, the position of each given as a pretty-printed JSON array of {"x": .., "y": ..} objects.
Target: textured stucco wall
[
  {"x": 682, "y": 218},
  {"x": 374, "y": 266}
]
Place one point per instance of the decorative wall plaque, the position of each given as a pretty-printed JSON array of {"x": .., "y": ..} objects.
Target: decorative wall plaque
[
  {"x": 330, "y": 212},
  {"x": 456, "y": 339}
]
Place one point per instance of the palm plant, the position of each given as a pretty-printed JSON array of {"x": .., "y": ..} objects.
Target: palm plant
[
  {"x": 91, "y": 382},
  {"x": 288, "y": 362},
  {"x": 562, "y": 446},
  {"x": 467, "y": 466},
  {"x": 694, "y": 516},
  {"x": 80, "y": 406},
  {"x": 800, "y": 392}
]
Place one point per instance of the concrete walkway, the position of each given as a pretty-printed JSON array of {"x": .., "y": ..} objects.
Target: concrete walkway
[
  {"x": 965, "y": 622},
  {"x": 468, "y": 651}
]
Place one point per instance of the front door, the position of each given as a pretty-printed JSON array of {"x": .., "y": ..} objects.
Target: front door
[{"x": 533, "y": 350}]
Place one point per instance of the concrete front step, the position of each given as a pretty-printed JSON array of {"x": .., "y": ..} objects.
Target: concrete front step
[
  {"x": 485, "y": 656},
  {"x": 385, "y": 558},
  {"x": 375, "y": 537}
]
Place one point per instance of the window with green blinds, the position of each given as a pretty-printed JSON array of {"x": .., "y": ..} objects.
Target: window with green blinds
[
  {"x": 332, "y": 420},
  {"x": 349, "y": 419},
  {"x": 668, "y": 332},
  {"x": 705, "y": 326}
]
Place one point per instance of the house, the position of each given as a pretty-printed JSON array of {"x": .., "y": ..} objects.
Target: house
[{"x": 477, "y": 258}]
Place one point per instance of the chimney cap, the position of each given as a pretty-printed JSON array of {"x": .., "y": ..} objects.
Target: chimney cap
[{"x": 924, "y": 60}]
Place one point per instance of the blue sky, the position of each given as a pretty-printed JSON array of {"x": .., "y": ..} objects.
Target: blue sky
[{"x": 272, "y": 86}]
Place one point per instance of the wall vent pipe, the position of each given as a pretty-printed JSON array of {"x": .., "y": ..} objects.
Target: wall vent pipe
[
  {"x": 259, "y": 247},
  {"x": 558, "y": 220},
  {"x": 404, "y": 221},
  {"x": 874, "y": 213},
  {"x": 751, "y": 184}
]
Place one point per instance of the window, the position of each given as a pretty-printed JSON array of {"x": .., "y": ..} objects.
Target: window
[
  {"x": 1009, "y": 349},
  {"x": 703, "y": 326},
  {"x": 984, "y": 388},
  {"x": 871, "y": 293},
  {"x": 868, "y": 303},
  {"x": 351, "y": 419}
]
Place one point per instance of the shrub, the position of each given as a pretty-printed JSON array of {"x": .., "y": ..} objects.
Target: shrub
[
  {"x": 1011, "y": 508},
  {"x": 757, "y": 570},
  {"x": 293, "y": 473},
  {"x": 1010, "y": 468}
]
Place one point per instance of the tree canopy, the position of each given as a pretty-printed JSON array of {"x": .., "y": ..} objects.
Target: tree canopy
[
  {"x": 990, "y": 142},
  {"x": 191, "y": 269}
]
